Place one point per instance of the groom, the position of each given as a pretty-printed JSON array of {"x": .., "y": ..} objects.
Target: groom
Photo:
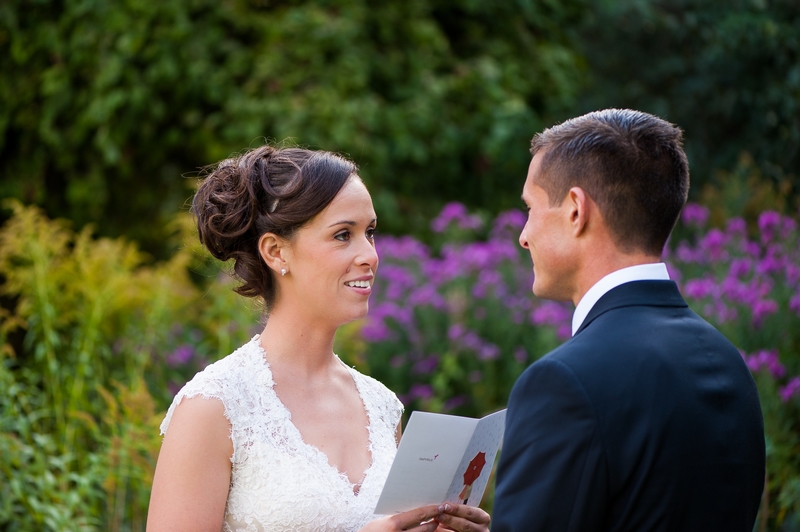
[{"x": 647, "y": 419}]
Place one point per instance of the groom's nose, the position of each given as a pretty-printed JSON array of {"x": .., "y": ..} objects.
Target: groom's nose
[{"x": 523, "y": 240}]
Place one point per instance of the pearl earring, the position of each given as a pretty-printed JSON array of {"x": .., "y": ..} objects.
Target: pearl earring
[{"x": 283, "y": 272}]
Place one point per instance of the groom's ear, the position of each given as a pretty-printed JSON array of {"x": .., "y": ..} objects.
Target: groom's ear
[{"x": 581, "y": 209}]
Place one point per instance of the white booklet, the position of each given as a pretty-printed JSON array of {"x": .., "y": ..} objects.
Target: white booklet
[{"x": 442, "y": 458}]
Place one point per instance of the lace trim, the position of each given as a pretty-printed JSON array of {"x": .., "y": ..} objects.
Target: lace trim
[
  {"x": 278, "y": 481},
  {"x": 297, "y": 441}
]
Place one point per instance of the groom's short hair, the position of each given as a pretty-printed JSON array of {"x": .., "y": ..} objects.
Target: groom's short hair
[{"x": 632, "y": 164}]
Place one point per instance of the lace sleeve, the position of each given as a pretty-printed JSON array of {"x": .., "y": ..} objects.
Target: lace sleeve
[
  {"x": 193, "y": 388},
  {"x": 214, "y": 382}
]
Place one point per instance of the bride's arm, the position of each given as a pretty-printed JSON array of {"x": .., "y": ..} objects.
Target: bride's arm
[{"x": 192, "y": 477}]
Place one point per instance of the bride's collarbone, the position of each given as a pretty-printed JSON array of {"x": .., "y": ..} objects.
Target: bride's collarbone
[{"x": 334, "y": 421}]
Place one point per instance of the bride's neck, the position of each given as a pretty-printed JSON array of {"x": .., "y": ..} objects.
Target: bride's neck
[{"x": 298, "y": 342}]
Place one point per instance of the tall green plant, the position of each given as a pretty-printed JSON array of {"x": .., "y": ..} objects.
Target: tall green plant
[{"x": 92, "y": 313}]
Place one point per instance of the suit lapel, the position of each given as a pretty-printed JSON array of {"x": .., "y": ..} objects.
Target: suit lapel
[{"x": 636, "y": 293}]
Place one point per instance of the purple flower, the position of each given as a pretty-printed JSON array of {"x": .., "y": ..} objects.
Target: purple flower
[
  {"x": 520, "y": 355},
  {"x": 427, "y": 365},
  {"x": 792, "y": 273},
  {"x": 739, "y": 268},
  {"x": 694, "y": 215},
  {"x": 426, "y": 296},
  {"x": 550, "y": 313},
  {"x": 768, "y": 224},
  {"x": 420, "y": 391},
  {"x": 762, "y": 309},
  {"x": 766, "y": 359},
  {"x": 752, "y": 249},
  {"x": 455, "y": 332},
  {"x": 789, "y": 227},
  {"x": 455, "y": 212},
  {"x": 737, "y": 227},
  {"x": 769, "y": 265},
  {"x": 794, "y": 303},
  {"x": 674, "y": 273},
  {"x": 403, "y": 248},
  {"x": 564, "y": 332},
  {"x": 699, "y": 288},
  {"x": 471, "y": 341},
  {"x": 489, "y": 281},
  {"x": 723, "y": 313},
  {"x": 454, "y": 402},
  {"x": 180, "y": 356},
  {"x": 375, "y": 330},
  {"x": 713, "y": 244},
  {"x": 508, "y": 225},
  {"x": 792, "y": 389},
  {"x": 685, "y": 253},
  {"x": 488, "y": 351}
]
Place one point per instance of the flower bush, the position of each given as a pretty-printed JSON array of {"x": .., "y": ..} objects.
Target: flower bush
[
  {"x": 746, "y": 281},
  {"x": 95, "y": 340},
  {"x": 452, "y": 326}
]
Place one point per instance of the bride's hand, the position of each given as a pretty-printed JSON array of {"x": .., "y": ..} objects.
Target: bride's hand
[
  {"x": 417, "y": 520},
  {"x": 463, "y": 518}
]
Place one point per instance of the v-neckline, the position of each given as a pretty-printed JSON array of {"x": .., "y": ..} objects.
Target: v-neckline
[{"x": 354, "y": 488}]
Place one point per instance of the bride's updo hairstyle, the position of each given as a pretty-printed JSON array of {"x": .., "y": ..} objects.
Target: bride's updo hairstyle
[{"x": 265, "y": 190}]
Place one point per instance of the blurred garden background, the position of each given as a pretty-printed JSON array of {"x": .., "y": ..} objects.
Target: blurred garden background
[{"x": 109, "y": 108}]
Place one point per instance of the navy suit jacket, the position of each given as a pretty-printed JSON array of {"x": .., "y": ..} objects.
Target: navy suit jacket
[{"x": 647, "y": 419}]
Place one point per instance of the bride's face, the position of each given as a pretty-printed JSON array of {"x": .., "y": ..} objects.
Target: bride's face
[{"x": 332, "y": 260}]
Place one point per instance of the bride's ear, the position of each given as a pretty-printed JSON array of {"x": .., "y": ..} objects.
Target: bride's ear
[{"x": 272, "y": 249}]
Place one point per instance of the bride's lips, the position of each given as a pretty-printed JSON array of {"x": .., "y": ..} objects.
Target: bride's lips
[{"x": 361, "y": 285}]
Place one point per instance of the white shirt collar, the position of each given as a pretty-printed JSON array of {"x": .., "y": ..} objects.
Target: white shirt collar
[{"x": 640, "y": 272}]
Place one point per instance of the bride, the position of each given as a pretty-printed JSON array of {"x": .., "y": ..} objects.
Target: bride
[{"x": 281, "y": 435}]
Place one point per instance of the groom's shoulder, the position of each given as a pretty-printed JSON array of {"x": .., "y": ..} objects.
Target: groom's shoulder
[
  {"x": 564, "y": 359},
  {"x": 587, "y": 357}
]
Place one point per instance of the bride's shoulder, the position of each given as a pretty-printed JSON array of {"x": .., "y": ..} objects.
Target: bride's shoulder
[
  {"x": 231, "y": 369},
  {"x": 230, "y": 380}
]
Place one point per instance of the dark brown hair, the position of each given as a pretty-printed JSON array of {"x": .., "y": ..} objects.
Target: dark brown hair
[
  {"x": 632, "y": 164},
  {"x": 265, "y": 190}
]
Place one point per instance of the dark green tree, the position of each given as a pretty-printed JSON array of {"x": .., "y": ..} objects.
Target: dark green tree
[
  {"x": 726, "y": 72},
  {"x": 106, "y": 105}
]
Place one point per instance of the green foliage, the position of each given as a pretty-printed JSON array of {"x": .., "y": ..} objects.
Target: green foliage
[
  {"x": 41, "y": 487},
  {"x": 727, "y": 72},
  {"x": 106, "y": 104},
  {"x": 78, "y": 426}
]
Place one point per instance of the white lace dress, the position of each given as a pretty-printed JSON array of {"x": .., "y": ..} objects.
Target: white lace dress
[{"x": 278, "y": 482}]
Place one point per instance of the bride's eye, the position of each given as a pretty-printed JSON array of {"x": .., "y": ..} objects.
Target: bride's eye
[
  {"x": 344, "y": 236},
  {"x": 371, "y": 233}
]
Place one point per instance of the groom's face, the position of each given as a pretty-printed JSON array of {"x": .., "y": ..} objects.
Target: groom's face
[{"x": 547, "y": 236}]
